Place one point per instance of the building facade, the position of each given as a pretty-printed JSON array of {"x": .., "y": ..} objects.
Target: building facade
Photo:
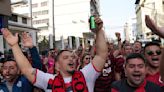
[
  {"x": 61, "y": 18},
  {"x": 153, "y": 8},
  {"x": 17, "y": 24}
]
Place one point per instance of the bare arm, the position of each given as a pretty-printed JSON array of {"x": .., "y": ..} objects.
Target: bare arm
[
  {"x": 101, "y": 47},
  {"x": 118, "y": 35},
  {"x": 27, "y": 42},
  {"x": 153, "y": 27},
  {"x": 160, "y": 32},
  {"x": 21, "y": 60}
]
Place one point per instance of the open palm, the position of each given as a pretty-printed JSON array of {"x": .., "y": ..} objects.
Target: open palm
[
  {"x": 153, "y": 27},
  {"x": 9, "y": 37},
  {"x": 27, "y": 40}
]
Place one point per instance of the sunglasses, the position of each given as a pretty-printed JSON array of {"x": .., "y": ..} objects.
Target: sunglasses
[
  {"x": 158, "y": 52},
  {"x": 87, "y": 58}
]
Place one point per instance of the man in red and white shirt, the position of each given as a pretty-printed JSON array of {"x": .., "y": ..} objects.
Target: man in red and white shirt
[{"x": 80, "y": 81}]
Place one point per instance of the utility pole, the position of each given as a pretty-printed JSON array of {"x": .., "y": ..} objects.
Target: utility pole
[
  {"x": 53, "y": 23},
  {"x": 30, "y": 8}
]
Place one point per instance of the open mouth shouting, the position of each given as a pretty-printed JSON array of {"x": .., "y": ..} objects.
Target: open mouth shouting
[
  {"x": 136, "y": 76},
  {"x": 71, "y": 65},
  {"x": 155, "y": 59}
]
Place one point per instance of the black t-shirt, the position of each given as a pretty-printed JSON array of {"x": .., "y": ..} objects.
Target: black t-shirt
[{"x": 123, "y": 86}]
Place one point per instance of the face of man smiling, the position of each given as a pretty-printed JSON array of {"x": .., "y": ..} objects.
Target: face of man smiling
[{"x": 153, "y": 55}]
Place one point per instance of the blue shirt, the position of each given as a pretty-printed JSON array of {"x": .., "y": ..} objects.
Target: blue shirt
[{"x": 20, "y": 85}]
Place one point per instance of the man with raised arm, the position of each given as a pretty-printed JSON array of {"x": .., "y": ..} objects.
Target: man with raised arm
[
  {"x": 160, "y": 32},
  {"x": 67, "y": 80}
]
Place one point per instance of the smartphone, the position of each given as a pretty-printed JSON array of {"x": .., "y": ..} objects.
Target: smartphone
[{"x": 92, "y": 23}]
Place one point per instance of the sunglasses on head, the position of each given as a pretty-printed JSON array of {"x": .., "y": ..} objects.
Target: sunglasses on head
[{"x": 158, "y": 52}]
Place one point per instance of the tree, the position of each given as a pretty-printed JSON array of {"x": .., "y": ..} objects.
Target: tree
[{"x": 44, "y": 44}]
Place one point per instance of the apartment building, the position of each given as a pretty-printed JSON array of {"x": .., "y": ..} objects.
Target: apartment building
[
  {"x": 153, "y": 8},
  {"x": 61, "y": 18},
  {"x": 17, "y": 24}
]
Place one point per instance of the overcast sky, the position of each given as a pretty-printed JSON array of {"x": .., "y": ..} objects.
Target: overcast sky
[{"x": 115, "y": 13}]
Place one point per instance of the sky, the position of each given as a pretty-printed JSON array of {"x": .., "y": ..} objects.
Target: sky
[{"x": 115, "y": 13}]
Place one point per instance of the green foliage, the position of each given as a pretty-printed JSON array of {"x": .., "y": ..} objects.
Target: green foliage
[{"x": 44, "y": 44}]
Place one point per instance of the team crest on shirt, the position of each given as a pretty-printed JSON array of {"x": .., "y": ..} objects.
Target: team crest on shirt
[
  {"x": 19, "y": 84},
  {"x": 107, "y": 68}
]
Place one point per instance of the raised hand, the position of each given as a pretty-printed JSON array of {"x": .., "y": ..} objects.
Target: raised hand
[
  {"x": 27, "y": 40},
  {"x": 153, "y": 27},
  {"x": 118, "y": 35},
  {"x": 99, "y": 23},
  {"x": 9, "y": 37}
]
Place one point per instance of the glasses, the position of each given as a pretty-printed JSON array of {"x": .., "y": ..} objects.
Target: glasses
[{"x": 158, "y": 52}]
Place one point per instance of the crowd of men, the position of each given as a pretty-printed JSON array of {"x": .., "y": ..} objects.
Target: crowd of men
[{"x": 104, "y": 67}]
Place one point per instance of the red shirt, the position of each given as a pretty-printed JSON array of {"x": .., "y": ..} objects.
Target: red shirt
[
  {"x": 154, "y": 78},
  {"x": 106, "y": 78}
]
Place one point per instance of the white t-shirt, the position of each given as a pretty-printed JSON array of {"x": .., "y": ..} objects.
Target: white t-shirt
[{"x": 90, "y": 75}]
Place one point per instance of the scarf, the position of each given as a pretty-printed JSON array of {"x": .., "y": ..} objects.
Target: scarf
[
  {"x": 78, "y": 83},
  {"x": 141, "y": 88}
]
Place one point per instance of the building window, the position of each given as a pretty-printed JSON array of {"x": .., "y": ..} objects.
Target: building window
[
  {"x": 43, "y": 28},
  {"x": 24, "y": 20},
  {"x": 41, "y": 21},
  {"x": 44, "y": 12},
  {"x": 14, "y": 18},
  {"x": 45, "y": 20},
  {"x": 34, "y": 5},
  {"x": 44, "y": 4}
]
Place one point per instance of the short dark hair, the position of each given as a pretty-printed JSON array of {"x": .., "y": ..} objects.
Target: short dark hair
[
  {"x": 59, "y": 53},
  {"x": 133, "y": 56},
  {"x": 85, "y": 54},
  {"x": 151, "y": 44},
  {"x": 138, "y": 42},
  {"x": 9, "y": 60}
]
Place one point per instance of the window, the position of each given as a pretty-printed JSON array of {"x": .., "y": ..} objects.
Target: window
[
  {"x": 43, "y": 4},
  {"x": 14, "y": 18},
  {"x": 45, "y": 20},
  {"x": 34, "y": 5},
  {"x": 24, "y": 20},
  {"x": 41, "y": 21},
  {"x": 44, "y": 12},
  {"x": 43, "y": 28}
]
